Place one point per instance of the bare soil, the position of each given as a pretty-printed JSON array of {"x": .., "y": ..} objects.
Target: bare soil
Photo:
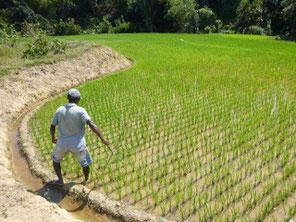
[{"x": 21, "y": 89}]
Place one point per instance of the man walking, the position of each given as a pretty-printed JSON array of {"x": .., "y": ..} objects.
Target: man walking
[{"x": 71, "y": 120}]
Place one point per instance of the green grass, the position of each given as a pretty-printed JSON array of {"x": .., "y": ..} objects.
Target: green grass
[
  {"x": 11, "y": 57},
  {"x": 204, "y": 125}
]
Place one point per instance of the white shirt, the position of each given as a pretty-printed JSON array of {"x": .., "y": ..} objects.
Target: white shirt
[{"x": 71, "y": 120}]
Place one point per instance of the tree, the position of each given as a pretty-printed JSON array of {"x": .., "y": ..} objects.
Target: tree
[
  {"x": 289, "y": 16},
  {"x": 272, "y": 10},
  {"x": 206, "y": 18},
  {"x": 66, "y": 9},
  {"x": 41, "y": 7},
  {"x": 5, "y": 4},
  {"x": 21, "y": 12},
  {"x": 224, "y": 9},
  {"x": 148, "y": 11},
  {"x": 183, "y": 15},
  {"x": 249, "y": 13}
]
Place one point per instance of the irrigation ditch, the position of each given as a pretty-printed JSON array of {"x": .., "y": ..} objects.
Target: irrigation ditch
[{"x": 22, "y": 91}]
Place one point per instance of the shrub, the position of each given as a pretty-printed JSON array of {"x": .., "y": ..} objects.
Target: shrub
[
  {"x": 66, "y": 28},
  {"x": 268, "y": 28},
  {"x": 240, "y": 30},
  {"x": 58, "y": 46},
  {"x": 46, "y": 26},
  {"x": 121, "y": 26},
  {"x": 219, "y": 24},
  {"x": 255, "y": 30},
  {"x": 8, "y": 34},
  {"x": 105, "y": 26},
  {"x": 29, "y": 29},
  {"x": 207, "y": 29},
  {"x": 37, "y": 47},
  {"x": 226, "y": 27},
  {"x": 93, "y": 27},
  {"x": 227, "y": 30},
  {"x": 40, "y": 46},
  {"x": 3, "y": 36},
  {"x": 206, "y": 18}
]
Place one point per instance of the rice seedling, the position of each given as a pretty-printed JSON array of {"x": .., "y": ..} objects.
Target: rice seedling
[{"x": 202, "y": 132}]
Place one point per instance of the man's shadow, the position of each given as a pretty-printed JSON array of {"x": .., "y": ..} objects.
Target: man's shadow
[{"x": 60, "y": 196}]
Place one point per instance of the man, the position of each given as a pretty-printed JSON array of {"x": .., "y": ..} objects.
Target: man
[{"x": 71, "y": 120}]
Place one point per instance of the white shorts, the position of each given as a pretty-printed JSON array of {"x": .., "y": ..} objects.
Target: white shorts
[{"x": 83, "y": 157}]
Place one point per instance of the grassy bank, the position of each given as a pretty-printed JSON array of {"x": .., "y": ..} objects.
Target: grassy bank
[{"x": 11, "y": 57}]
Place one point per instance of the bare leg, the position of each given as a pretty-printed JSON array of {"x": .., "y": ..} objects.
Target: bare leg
[
  {"x": 86, "y": 173},
  {"x": 57, "y": 168}
]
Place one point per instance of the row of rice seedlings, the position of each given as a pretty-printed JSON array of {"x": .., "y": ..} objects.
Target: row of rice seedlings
[
  {"x": 231, "y": 183},
  {"x": 284, "y": 211},
  {"x": 189, "y": 145},
  {"x": 291, "y": 212},
  {"x": 206, "y": 146},
  {"x": 284, "y": 158},
  {"x": 182, "y": 123}
]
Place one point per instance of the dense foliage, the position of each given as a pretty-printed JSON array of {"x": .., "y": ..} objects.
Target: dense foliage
[{"x": 271, "y": 17}]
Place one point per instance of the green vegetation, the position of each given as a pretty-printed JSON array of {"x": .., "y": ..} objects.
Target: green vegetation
[
  {"x": 39, "y": 50},
  {"x": 68, "y": 17},
  {"x": 41, "y": 46},
  {"x": 203, "y": 125}
]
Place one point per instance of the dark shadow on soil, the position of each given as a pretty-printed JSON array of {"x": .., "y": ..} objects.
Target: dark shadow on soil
[
  {"x": 79, "y": 207},
  {"x": 54, "y": 193}
]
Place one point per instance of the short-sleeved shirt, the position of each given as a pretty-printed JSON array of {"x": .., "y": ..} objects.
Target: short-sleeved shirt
[{"x": 71, "y": 120}]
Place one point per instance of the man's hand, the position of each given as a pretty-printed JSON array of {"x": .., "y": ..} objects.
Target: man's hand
[
  {"x": 52, "y": 133},
  {"x": 54, "y": 140},
  {"x": 106, "y": 142},
  {"x": 95, "y": 129}
]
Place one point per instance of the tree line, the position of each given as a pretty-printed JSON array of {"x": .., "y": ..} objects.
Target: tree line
[{"x": 62, "y": 17}]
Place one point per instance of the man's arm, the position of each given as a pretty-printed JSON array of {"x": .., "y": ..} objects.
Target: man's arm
[
  {"x": 95, "y": 129},
  {"x": 52, "y": 133}
]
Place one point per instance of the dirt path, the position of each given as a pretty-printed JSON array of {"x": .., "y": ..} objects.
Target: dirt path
[{"x": 21, "y": 89}]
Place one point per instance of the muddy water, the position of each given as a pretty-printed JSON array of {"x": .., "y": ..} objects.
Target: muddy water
[{"x": 52, "y": 194}]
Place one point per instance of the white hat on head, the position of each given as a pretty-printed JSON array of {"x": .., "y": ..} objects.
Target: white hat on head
[{"x": 74, "y": 93}]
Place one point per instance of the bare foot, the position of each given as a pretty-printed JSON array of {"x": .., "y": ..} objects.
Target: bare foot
[
  {"x": 84, "y": 182},
  {"x": 57, "y": 183}
]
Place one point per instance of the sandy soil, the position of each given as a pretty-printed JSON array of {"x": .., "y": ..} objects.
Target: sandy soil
[{"x": 25, "y": 87}]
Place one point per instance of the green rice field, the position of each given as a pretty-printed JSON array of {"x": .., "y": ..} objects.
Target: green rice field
[{"x": 204, "y": 127}]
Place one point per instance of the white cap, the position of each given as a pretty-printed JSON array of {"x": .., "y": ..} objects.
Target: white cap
[{"x": 74, "y": 93}]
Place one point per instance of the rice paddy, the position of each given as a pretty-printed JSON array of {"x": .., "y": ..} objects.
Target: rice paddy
[{"x": 203, "y": 127}]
